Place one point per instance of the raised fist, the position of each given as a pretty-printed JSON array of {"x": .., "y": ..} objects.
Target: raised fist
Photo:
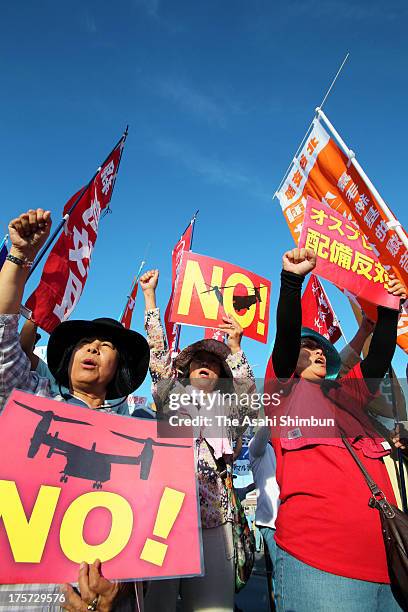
[
  {"x": 28, "y": 233},
  {"x": 148, "y": 281},
  {"x": 299, "y": 261}
]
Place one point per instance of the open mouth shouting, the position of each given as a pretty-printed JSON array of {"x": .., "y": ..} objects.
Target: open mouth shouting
[
  {"x": 89, "y": 363},
  {"x": 204, "y": 373}
]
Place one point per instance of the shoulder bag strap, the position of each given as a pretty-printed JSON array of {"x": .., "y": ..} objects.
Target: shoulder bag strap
[{"x": 378, "y": 500}]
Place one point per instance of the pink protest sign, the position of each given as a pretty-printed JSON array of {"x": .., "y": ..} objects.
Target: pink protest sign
[
  {"x": 77, "y": 484},
  {"x": 344, "y": 256}
]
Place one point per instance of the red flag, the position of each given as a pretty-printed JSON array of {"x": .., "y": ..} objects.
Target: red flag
[
  {"x": 212, "y": 333},
  {"x": 66, "y": 269},
  {"x": 184, "y": 244},
  {"x": 126, "y": 318},
  {"x": 317, "y": 312}
]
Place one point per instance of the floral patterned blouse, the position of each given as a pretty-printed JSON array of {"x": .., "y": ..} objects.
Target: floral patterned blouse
[{"x": 214, "y": 499}]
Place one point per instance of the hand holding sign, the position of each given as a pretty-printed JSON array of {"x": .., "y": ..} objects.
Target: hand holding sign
[
  {"x": 299, "y": 261},
  {"x": 93, "y": 587},
  {"x": 234, "y": 332},
  {"x": 395, "y": 287},
  {"x": 344, "y": 257},
  {"x": 81, "y": 485},
  {"x": 207, "y": 289}
]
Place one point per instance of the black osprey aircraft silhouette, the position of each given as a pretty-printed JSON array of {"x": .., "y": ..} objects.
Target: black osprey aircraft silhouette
[
  {"x": 87, "y": 463},
  {"x": 239, "y": 302}
]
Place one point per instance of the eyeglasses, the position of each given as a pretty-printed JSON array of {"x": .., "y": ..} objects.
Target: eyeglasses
[{"x": 312, "y": 345}]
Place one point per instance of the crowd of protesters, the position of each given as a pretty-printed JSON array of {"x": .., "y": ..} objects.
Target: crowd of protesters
[{"x": 324, "y": 540}]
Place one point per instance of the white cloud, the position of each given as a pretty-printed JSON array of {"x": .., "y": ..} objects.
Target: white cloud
[
  {"x": 88, "y": 23},
  {"x": 212, "y": 169},
  {"x": 150, "y": 6},
  {"x": 190, "y": 100}
]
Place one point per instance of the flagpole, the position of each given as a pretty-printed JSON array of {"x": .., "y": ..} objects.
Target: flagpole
[
  {"x": 193, "y": 220},
  {"x": 338, "y": 320},
  {"x": 392, "y": 221},
  {"x": 334, "y": 80},
  {"x": 178, "y": 330},
  {"x": 135, "y": 281},
  {"x": 4, "y": 241},
  {"x": 124, "y": 136},
  {"x": 311, "y": 125},
  {"x": 67, "y": 215}
]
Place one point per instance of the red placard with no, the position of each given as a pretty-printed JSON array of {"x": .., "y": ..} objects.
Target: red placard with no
[{"x": 208, "y": 288}]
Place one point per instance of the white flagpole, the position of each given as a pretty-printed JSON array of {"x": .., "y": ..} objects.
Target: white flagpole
[
  {"x": 275, "y": 195},
  {"x": 392, "y": 221},
  {"x": 333, "y": 311},
  {"x": 135, "y": 281},
  {"x": 4, "y": 241}
]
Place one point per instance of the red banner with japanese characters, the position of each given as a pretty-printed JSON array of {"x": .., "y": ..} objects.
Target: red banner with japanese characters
[
  {"x": 184, "y": 244},
  {"x": 317, "y": 312},
  {"x": 66, "y": 269},
  {"x": 344, "y": 256},
  {"x": 209, "y": 288},
  {"x": 126, "y": 318},
  {"x": 212, "y": 333},
  {"x": 83, "y": 484}
]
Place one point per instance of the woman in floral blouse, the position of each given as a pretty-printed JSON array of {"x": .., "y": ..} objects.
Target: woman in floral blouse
[{"x": 202, "y": 370}]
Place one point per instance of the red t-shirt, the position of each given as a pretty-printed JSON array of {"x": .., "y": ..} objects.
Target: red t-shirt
[{"x": 324, "y": 519}]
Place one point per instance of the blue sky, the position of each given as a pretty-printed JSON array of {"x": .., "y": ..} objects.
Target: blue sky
[{"x": 218, "y": 96}]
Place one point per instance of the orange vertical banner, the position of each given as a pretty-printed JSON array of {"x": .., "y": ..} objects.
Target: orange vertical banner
[{"x": 322, "y": 171}]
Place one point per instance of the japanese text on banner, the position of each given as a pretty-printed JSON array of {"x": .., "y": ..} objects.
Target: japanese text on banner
[
  {"x": 66, "y": 269},
  {"x": 343, "y": 255}
]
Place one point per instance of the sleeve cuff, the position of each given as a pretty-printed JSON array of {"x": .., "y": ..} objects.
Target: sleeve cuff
[
  {"x": 236, "y": 359},
  {"x": 290, "y": 279}
]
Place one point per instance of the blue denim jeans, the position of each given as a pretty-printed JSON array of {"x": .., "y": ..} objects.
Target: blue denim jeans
[
  {"x": 268, "y": 535},
  {"x": 302, "y": 588}
]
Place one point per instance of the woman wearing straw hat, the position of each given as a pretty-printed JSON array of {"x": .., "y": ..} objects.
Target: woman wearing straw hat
[
  {"x": 330, "y": 549},
  {"x": 92, "y": 362},
  {"x": 202, "y": 371}
]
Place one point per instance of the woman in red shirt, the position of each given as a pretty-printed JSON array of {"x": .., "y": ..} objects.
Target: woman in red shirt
[{"x": 330, "y": 548}]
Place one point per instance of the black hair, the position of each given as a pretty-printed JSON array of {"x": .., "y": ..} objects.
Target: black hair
[
  {"x": 119, "y": 385},
  {"x": 122, "y": 381},
  {"x": 61, "y": 371}
]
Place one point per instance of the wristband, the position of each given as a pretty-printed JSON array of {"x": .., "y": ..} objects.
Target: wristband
[{"x": 24, "y": 263}]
